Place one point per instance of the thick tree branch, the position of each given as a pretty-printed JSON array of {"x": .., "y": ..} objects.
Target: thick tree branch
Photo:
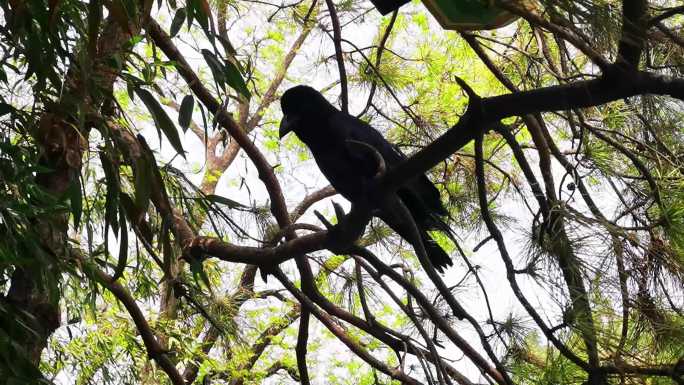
[
  {"x": 302, "y": 344},
  {"x": 480, "y": 118},
  {"x": 634, "y": 22}
]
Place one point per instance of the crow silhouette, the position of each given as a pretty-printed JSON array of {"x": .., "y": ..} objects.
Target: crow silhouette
[{"x": 331, "y": 134}]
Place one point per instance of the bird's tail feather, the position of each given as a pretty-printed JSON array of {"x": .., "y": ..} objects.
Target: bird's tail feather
[
  {"x": 436, "y": 222},
  {"x": 439, "y": 258}
]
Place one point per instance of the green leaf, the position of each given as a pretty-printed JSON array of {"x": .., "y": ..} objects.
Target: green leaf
[
  {"x": 215, "y": 66},
  {"x": 112, "y": 197},
  {"x": 143, "y": 183},
  {"x": 225, "y": 201},
  {"x": 178, "y": 20},
  {"x": 130, "y": 89},
  {"x": 197, "y": 269},
  {"x": 185, "y": 113},
  {"x": 123, "y": 248},
  {"x": 5, "y": 109},
  {"x": 76, "y": 201},
  {"x": 161, "y": 120},
  {"x": 202, "y": 13},
  {"x": 236, "y": 81},
  {"x": 136, "y": 216}
]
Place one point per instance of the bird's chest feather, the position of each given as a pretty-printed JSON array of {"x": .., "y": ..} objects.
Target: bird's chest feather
[{"x": 345, "y": 171}]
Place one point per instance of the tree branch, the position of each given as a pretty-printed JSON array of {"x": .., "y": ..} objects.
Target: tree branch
[
  {"x": 479, "y": 118},
  {"x": 302, "y": 342},
  {"x": 337, "y": 40},
  {"x": 152, "y": 345}
]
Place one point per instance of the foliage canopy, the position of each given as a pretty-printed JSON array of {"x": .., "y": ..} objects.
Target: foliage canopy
[{"x": 143, "y": 188}]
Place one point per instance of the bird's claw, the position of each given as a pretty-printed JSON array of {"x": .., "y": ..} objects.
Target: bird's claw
[
  {"x": 329, "y": 226},
  {"x": 339, "y": 212},
  {"x": 348, "y": 228}
]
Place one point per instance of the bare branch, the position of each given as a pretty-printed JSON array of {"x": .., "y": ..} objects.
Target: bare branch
[
  {"x": 341, "y": 334},
  {"x": 302, "y": 342},
  {"x": 152, "y": 345},
  {"x": 337, "y": 40},
  {"x": 309, "y": 200}
]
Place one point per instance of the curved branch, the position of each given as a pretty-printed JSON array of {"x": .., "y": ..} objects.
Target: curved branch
[
  {"x": 337, "y": 40},
  {"x": 434, "y": 314},
  {"x": 341, "y": 334},
  {"x": 163, "y": 41},
  {"x": 152, "y": 345},
  {"x": 302, "y": 342},
  {"x": 510, "y": 269},
  {"x": 309, "y": 200}
]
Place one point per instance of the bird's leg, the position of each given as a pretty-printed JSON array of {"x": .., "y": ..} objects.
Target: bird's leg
[{"x": 348, "y": 229}]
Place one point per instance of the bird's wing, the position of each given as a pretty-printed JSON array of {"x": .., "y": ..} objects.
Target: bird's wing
[
  {"x": 419, "y": 193},
  {"x": 351, "y": 128}
]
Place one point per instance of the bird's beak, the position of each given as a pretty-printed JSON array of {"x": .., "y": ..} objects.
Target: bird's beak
[{"x": 286, "y": 125}]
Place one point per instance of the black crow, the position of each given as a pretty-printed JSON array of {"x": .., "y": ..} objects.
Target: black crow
[{"x": 328, "y": 132}]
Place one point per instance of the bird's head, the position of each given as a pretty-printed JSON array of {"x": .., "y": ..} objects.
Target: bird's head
[{"x": 302, "y": 105}]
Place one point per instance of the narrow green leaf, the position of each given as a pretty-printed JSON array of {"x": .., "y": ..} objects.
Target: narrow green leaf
[
  {"x": 204, "y": 124},
  {"x": 197, "y": 269},
  {"x": 123, "y": 248},
  {"x": 161, "y": 119},
  {"x": 136, "y": 216},
  {"x": 185, "y": 113},
  {"x": 5, "y": 109},
  {"x": 235, "y": 80},
  {"x": 202, "y": 13},
  {"x": 76, "y": 201},
  {"x": 177, "y": 22},
  {"x": 130, "y": 89},
  {"x": 143, "y": 179},
  {"x": 112, "y": 196},
  {"x": 215, "y": 66},
  {"x": 225, "y": 201}
]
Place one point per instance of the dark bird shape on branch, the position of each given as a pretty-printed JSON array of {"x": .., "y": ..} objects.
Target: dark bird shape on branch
[{"x": 337, "y": 140}]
